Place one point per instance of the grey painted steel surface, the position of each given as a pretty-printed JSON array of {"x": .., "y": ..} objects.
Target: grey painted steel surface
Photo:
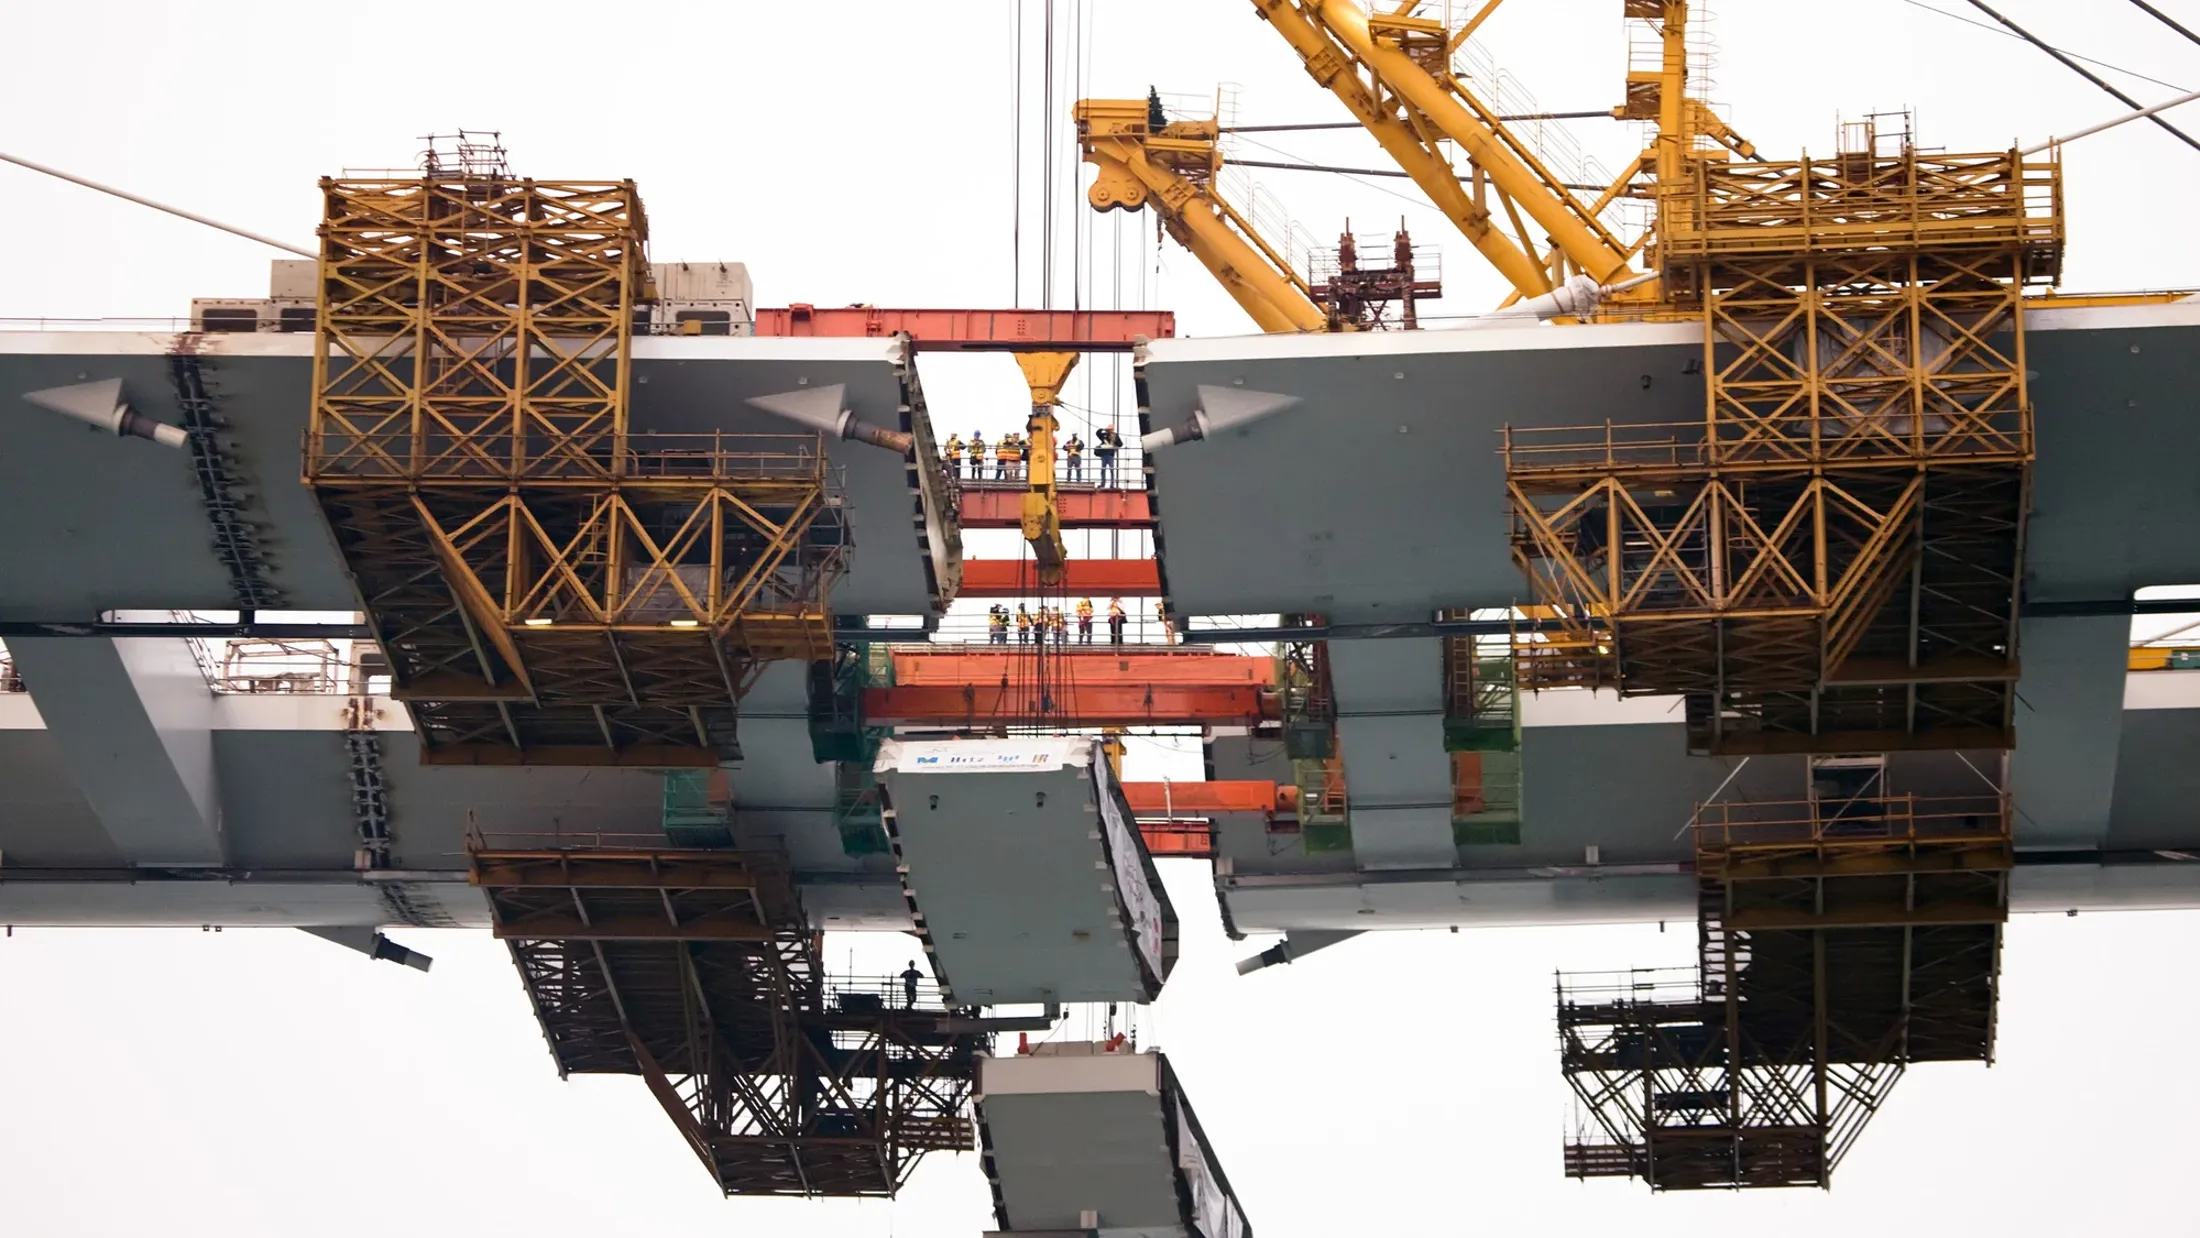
[
  {"x": 1390, "y": 734},
  {"x": 76, "y": 549},
  {"x": 1381, "y": 495},
  {"x": 1024, "y": 877},
  {"x": 1071, "y": 1130},
  {"x": 133, "y": 724},
  {"x": 1381, "y": 498},
  {"x": 287, "y": 815}
]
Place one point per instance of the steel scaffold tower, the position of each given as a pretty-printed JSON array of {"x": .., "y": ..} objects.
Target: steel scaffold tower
[
  {"x": 550, "y": 585},
  {"x": 1841, "y": 939},
  {"x": 697, "y": 970},
  {"x": 1828, "y": 561}
]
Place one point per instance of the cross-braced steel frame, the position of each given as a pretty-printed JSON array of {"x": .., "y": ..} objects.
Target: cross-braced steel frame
[
  {"x": 1829, "y": 560},
  {"x": 697, "y": 971},
  {"x": 1838, "y": 943},
  {"x": 551, "y": 586}
]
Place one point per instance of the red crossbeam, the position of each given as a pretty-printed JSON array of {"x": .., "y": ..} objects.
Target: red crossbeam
[
  {"x": 988, "y": 666},
  {"x": 974, "y": 330},
  {"x": 971, "y": 705},
  {"x": 1003, "y": 508},
  {"x": 1097, "y": 578}
]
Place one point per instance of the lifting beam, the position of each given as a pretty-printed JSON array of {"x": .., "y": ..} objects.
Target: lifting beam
[{"x": 1044, "y": 373}]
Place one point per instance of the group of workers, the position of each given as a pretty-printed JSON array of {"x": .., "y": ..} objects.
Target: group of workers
[
  {"x": 1051, "y": 621},
  {"x": 1011, "y": 451}
]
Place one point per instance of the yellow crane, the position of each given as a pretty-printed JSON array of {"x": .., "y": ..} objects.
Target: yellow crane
[
  {"x": 1395, "y": 72},
  {"x": 1144, "y": 159}
]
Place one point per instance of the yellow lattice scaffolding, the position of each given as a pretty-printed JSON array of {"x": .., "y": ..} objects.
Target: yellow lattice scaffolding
[
  {"x": 550, "y": 585},
  {"x": 1829, "y": 560}
]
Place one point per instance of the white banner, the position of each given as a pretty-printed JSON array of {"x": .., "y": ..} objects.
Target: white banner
[
  {"x": 1128, "y": 855},
  {"x": 1213, "y": 1209},
  {"x": 1020, "y": 756}
]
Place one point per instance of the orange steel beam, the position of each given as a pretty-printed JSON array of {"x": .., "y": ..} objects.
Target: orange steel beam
[
  {"x": 969, "y": 330},
  {"x": 1081, "y": 509},
  {"x": 1015, "y": 578},
  {"x": 1179, "y": 840},
  {"x": 1076, "y": 705},
  {"x": 1169, "y": 799},
  {"x": 1087, "y": 666}
]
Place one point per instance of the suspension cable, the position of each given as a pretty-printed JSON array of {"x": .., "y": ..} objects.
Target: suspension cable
[
  {"x": 2167, "y": 20},
  {"x": 2064, "y": 59}
]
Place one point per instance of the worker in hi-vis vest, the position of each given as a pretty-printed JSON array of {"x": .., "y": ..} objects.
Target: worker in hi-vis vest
[
  {"x": 1104, "y": 445},
  {"x": 1115, "y": 621},
  {"x": 1084, "y": 621},
  {"x": 951, "y": 455},
  {"x": 1023, "y": 625}
]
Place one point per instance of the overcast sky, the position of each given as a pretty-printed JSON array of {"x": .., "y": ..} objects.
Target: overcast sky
[{"x": 264, "y": 1083}]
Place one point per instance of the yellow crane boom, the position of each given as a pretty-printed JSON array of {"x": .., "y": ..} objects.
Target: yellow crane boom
[
  {"x": 1171, "y": 166},
  {"x": 1392, "y": 70}
]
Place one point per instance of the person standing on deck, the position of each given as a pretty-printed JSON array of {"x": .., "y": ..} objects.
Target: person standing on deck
[
  {"x": 996, "y": 619},
  {"x": 1073, "y": 457},
  {"x": 1084, "y": 621},
  {"x": 977, "y": 456},
  {"x": 1105, "y": 443},
  {"x": 1023, "y": 625},
  {"x": 1115, "y": 621},
  {"x": 1008, "y": 458},
  {"x": 951, "y": 455}
]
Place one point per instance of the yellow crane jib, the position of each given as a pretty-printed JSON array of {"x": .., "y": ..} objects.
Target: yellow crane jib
[
  {"x": 1044, "y": 373},
  {"x": 1172, "y": 167}
]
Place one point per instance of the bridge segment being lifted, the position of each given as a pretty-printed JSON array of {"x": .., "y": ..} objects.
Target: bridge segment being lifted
[
  {"x": 1084, "y": 1138},
  {"x": 1026, "y": 875}
]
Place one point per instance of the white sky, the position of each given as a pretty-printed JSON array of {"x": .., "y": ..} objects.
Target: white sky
[{"x": 249, "y": 1084}]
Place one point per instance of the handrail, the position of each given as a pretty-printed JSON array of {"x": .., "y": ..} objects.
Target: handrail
[
  {"x": 393, "y": 449},
  {"x": 1863, "y": 821}
]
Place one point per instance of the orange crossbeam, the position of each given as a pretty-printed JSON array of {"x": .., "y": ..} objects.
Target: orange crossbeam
[
  {"x": 1181, "y": 840},
  {"x": 1003, "y": 508},
  {"x": 1084, "y": 666},
  {"x": 1015, "y": 578},
  {"x": 970, "y": 330},
  {"x": 1169, "y": 799},
  {"x": 1077, "y": 705}
]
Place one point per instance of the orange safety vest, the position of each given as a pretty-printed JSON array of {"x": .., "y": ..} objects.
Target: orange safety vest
[
  {"x": 1084, "y": 609},
  {"x": 1009, "y": 450}
]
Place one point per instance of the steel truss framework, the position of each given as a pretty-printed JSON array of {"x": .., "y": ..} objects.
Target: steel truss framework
[
  {"x": 1829, "y": 561},
  {"x": 1358, "y": 297},
  {"x": 1309, "y": 709},
  {"x": 1838, "y": 944},
  {"x": 550, "y": 586},
  {"x": 697, "y": 971}
]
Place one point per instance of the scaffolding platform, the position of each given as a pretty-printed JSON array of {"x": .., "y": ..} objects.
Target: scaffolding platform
[
  {"x": 1841, "y": 939},
  {"x": 1082, "y": 1137},
  {"x": 696, "y": 970},
  {"x": 1025, "y": 871}
]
